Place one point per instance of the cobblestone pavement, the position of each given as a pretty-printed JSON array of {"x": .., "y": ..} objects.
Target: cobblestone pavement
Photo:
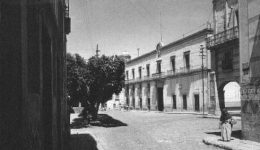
[{"x": 153, "y": 131}]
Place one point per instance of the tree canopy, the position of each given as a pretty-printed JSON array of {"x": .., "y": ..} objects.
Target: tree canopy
[
  {"x": 95, "y": 81},
  {"x": 76, "y": 78}
]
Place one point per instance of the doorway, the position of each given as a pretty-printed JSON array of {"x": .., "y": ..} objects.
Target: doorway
[
  {"x": 229, "y": 96},
  {"x": 160, "y": 98},
  {"x": 174, "y": 104},
  {"x": 149, "y": 103},
  {"x": 197, "y": 102},
  {"x": 141, "y": 103}
]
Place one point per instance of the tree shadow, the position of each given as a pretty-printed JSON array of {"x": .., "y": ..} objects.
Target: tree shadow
[
  {"x": 103, "y": 120},
  {"x": 236, "y": 134},
  {"x": 107, "y": 121},
  {"x": 82, "y": 142},
  {"x": 78, "y": 123}
]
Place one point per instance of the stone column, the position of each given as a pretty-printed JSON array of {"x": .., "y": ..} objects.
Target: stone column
[
  {"x": 130, "y": 96},
  {"x": 153, "y": 95},
  {"x": 144, "y": 96},
  {"x": 167, "y": 100},
  {"x": 137, "y": 97}
]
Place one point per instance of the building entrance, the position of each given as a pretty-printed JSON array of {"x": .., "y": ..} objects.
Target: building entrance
[
  {"x": 140, "y": 103},
  {"x": 149, "y": 103},
  {"x": 229, "y": 97},
  {"x": 160, "y": 98},
  {"x": 197, "y": 102}
]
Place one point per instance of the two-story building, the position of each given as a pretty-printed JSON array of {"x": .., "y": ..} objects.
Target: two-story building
[{"x": 171, "y": 77}]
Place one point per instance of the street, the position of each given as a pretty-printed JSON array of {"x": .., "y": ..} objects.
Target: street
[{"x": 139, "y": 130}]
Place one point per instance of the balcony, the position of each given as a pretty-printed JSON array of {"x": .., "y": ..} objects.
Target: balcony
[
  {"x": 223, "y": 37},
  {"x": 169, "y": 73},
  {"x": 184, "y": 70},
  {"x": 158, "y": 75}
]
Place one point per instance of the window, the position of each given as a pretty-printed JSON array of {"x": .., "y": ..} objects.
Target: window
[
  {"x": 159, "y": 66},
  {"x": 127, "y": 76},
  {"x": 173, "y": 63},
  {"x": 148, "y": 70},
  {"x": 140, "y": 72},
  {"x": 174, "y": 104},
  {"x": 184, "y": 102},
  {"x": 187, "y": 59},
  {"x": 133, "y": 73},
  {"x": 197, "y": 102},
  {"x": 227, "y": 61}
]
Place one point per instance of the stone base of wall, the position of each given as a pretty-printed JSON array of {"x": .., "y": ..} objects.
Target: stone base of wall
[
  {"x": 154, "y": 108},
  {"x": 167, "y": 109},
  {"x": 145, "y": 109}
]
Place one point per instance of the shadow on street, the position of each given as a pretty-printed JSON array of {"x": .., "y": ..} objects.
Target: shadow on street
[
  {"x": 236, "y": 134},
  {"x": 82, "y": 142},
  {"x": 103, "y": 120}
]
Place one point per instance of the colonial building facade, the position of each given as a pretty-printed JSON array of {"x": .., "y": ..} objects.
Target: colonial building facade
[
  {"x": 171, "y": 77},
  {"x": 224, "y": 47}
]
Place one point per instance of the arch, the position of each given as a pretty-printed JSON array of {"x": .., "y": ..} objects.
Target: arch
[{"x": 229, "y": 94}]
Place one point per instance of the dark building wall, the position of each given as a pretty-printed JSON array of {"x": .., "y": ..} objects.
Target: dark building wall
[
  {"x": 250, "y": 70},
  {"x": 32, "y": 55},
  {"x": 10, "y": 71},
  {"x": 223, "y": 73}
]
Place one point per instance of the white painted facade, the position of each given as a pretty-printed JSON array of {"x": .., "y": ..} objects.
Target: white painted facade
[{"x": 185, "y": 81}]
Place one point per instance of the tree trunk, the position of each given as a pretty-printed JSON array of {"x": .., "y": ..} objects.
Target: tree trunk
[{"x": 95, "y": 112}]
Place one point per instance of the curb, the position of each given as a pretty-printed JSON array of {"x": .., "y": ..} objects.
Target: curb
[
  {"x": 234, "y": 144},
  {"x": 211, "y": 142}
]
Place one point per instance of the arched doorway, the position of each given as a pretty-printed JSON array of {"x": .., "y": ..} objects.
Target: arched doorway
[{"x": 229, "y": 96}]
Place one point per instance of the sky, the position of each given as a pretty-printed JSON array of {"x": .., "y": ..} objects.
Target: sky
[{"x": 123, "y": 26}]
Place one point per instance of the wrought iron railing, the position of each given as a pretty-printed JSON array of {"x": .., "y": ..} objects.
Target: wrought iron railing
[
  {"x": 158, "y": 75},
  {"x": 183, "y": 70},
  {"x": 169, "y": 73},
  {"x": 222, "y": 37}
]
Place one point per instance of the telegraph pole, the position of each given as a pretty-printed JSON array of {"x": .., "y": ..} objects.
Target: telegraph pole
[
  {"x": 202, "y": 75},
  {"x": 138, "y": 51}
]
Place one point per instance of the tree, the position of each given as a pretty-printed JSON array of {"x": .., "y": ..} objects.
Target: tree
[
  {"x": 94, "y": 82},
  {"x": 105, "y": 76},
  {"x": 76, "y": 79}
]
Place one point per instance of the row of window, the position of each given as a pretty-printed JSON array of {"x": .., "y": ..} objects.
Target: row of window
[
  {"x": 174, "y": 102},
  {"x": 158, "y": 66}
]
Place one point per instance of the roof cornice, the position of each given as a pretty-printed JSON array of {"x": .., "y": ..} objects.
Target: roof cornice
[{"x": 175, "y": 43}]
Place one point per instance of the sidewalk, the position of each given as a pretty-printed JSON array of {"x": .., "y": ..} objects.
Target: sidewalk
[
  {"x": 194, "y": 113},
  {"x": 83, "y": 139},
  {"x": 234, "y": 144}
]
